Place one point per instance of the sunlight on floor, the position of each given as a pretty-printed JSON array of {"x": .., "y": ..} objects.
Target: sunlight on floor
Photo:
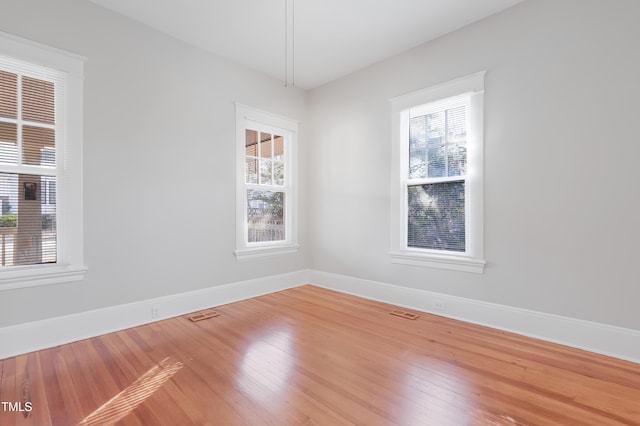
[{"x": 126, "y": 401}]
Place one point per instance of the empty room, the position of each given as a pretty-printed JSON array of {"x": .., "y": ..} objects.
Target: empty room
[{"x": 304, "y": 212}]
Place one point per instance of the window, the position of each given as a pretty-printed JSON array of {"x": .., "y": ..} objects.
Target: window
[
  {"x": 266, "y": 184},
  {"x": 40, "y": 155},
  {"x": 437, "y": 169}
]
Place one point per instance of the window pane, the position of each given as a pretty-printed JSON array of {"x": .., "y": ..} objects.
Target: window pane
[
  {"x": 278, "y": 147},
  {"x": 457, "y": 159},
  {"x": 28, "y": 219},
  {"x": 38, "y": 100},
  {"x": 456, "y": 141},
  {"x": 8, "y": 95},
  {"x": 417, "y": 148},
  {"x": 251, "y": 142},
  {"x": 251, "y": 170},
  {"x": 38, "y": 145},
  {"x": 278, "y": 173},
  {"x": 265, "y": 215},
  {"x": 52, "y": 192},
  {"x": 436, "y": 217},
  {"x": 8, "y": 143},
  {"x": 266, "y": 169},
  {"x": 265, "y": 145},
  {"x": 436, "y": 144},
  {"x": 457, "y": 124}
]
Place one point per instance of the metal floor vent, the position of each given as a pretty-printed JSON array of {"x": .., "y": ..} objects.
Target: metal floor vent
[
  {"x": 404, "y": 314},
  {"x": 203, "y": 315}
]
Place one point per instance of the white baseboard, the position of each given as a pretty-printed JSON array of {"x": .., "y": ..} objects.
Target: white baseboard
[
  {"x": 605, "y": 339},
  {"x": 37, "y": 335},
  {"x": 600, "y": 338}
]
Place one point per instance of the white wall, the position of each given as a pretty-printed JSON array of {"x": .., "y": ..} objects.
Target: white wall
[
  {"x": 561, "y": 153},
  {"x": 159, "y": 160}
]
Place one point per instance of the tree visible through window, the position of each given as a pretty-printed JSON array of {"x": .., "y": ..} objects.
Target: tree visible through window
[
  {"x": 265, "y": 168},
  {"x": 436, "y": 216},
  {"x": 438, "y": 172},
  {"x": 436, "y": 181},
  {"x": 266, "y": 183}
]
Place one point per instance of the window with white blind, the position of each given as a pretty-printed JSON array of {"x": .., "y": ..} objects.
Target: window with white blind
[
  {"x": 40, "y": 155},
  {"x": 438, "y": 176},
  {"x": 266, "y": 183}
]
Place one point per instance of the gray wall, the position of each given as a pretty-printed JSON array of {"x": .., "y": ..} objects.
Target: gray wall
[
  {"x": 561, "y": 197},
  {"x": 561, "y": 159},
  {"x": 159, "y": 160}
]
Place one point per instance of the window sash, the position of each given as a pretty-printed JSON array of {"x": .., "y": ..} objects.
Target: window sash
[
  {"x": 435, "y": 224},
  {"x": 279, "y": 160},
  {"x": 266, "y": 153},
  {"x": 425, "y": 110},
  {"x": 67, "y": 70},
  {"x": 468, "y": 89},
  {"x": 26, "y": 171}
]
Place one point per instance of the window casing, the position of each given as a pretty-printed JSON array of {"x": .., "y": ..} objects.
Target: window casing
[
  {"x": 437, "y": 169},
  {"x": 40, "y": 164},
  {"x": 266, "y": 201}
]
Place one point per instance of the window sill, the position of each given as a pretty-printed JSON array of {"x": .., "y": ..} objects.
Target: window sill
[
  {"x": 265, "y": 251},
  {"x": 440, "y": 261},
  {"x": 37, "y": 275}
]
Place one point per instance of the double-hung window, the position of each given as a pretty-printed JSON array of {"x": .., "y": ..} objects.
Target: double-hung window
[
  {"x": 266, "y": 183},
  {"x": 40, "y": 164},
  {"x": 437, "y": 179}
]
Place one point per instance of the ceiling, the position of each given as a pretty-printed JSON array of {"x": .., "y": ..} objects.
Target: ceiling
[{"x": 332, "y": 38}]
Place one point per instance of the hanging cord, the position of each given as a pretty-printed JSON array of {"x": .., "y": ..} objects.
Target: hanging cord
[
  {"x": 286, "y": 43},
  {"x": 293, "y": 43},
  {"x": 288, "y": 19}
]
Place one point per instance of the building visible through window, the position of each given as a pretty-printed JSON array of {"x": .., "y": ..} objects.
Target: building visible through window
[
  {"x": 265, "y": 168},
  {"x": 266, "y": 184}
]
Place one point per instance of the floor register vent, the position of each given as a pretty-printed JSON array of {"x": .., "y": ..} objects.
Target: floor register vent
[
  {"x": 203, "y": 315},
  {"x": 404, "y": 314}
]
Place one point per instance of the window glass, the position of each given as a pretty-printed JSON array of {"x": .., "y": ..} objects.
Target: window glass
[
  {"x": 266, "y": 185},
  {"x": 436, "y": 216},
  {"x": 265, "y": 215}
]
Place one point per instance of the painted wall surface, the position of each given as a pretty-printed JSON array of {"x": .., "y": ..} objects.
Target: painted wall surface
[
  {"x": 561, "y": 197},
  {"x": 561, "y": 158},
  {"x": 159, "y": 161}
]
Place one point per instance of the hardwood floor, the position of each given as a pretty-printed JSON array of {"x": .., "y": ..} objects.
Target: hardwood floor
[{"x": 310, "y": 356}]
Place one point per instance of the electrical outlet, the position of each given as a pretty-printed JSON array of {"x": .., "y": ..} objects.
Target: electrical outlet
[
  {"x": 155, "y": 312},
  {"x": 440, "y": 305}
]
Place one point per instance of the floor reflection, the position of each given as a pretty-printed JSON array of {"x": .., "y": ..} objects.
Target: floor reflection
[
  {"x": 438, "y": 395},
  {"x": 267, "y": 366}
]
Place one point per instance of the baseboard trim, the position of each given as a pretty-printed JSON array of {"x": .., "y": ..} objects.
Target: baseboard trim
[
  {"x": 28, "y": 337},
  {"x": 595, "y": 337},
  {"x": 600, "y": 338}
]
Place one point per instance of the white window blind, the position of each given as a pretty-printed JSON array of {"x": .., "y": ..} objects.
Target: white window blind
[
  {"x": 436, "y": 177},
  {"x": 438, "y": 172},
  {"x": 41, "y": 122}
]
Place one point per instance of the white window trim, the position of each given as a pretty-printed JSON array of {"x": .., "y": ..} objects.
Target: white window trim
[
  {"x": 473, "y": 259},
  {"x": 70, "y": 251},
  {"x": 244, "y": 250}
]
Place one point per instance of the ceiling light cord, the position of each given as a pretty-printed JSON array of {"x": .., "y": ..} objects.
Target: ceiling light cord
[
  {"x": 289, "y": 45},
  {"x": 286, "y": 42},
  {"x": 293, "y": 43}
]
